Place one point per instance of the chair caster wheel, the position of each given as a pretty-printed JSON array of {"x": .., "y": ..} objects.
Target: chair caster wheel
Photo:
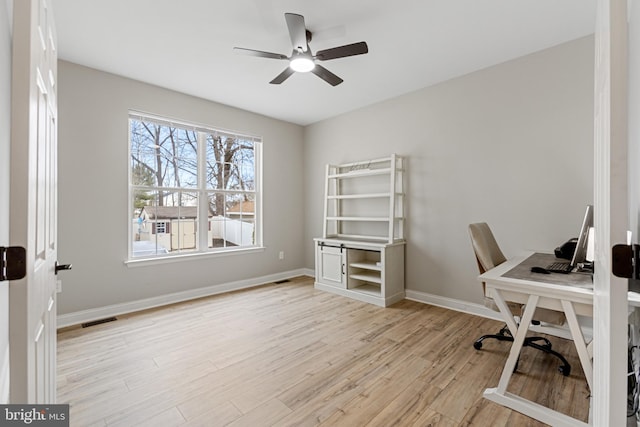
[
  {"x": 477, "y": 345},
  {"x": 565, "y": 370}
]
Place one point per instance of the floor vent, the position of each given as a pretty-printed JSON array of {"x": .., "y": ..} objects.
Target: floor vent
[
  {"x": 98, "y": 322},
  {"x": 281, "y": 281}
]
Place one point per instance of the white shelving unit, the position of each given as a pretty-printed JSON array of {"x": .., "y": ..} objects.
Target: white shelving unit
[
  {"x": 365, "y": 200},
  {"x": 361, "y": 252}
]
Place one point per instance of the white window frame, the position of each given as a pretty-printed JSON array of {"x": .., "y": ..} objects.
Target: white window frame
[{"x": 203, "y": 194}]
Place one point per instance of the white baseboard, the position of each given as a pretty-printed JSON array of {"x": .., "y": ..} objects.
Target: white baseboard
[
  {"x": 452, "y": 304},
  {"x": 76, "y": 318},
  {"x": 4, "y": 377},
  {"x": 480, "y": 310}
]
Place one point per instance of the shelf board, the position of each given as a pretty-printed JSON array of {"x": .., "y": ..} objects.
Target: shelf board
[
  {"x": 360, "y": 172},
  {"x": 360, "y": 196},
  {"x": 358, "y": 218},
  {"x": 362, "y": 237},
  {"x": 368, "y": 289},
  {"x": 367, "y": 277},
  {"x": 367, "y": 265},
  {"x": 367, "y": 162},
  {"x": 364, "y": 218}
]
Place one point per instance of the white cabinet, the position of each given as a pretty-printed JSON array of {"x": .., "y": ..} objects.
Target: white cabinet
[{"x": 366, "y": 271}]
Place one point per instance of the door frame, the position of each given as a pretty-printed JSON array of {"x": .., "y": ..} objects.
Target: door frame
[
  {"x": 611, "y": 216},
  {"x": 5, "y": 143}
]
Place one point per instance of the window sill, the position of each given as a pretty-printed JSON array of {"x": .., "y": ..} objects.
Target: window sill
[{"x": 141, "y": 262}]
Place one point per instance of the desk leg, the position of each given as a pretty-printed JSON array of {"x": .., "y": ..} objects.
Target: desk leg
[
  {"x": 518, "y": 338},
  {"x": 510, "y": 400},
  {"x": 505, "y": 311},
  {"x": 578, "y": 341}
]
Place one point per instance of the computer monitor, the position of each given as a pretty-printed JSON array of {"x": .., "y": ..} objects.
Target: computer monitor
[{"x": 580, "y": 254}]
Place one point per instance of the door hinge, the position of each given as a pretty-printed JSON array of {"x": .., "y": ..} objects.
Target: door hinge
[{"x": 13, "y": 260}]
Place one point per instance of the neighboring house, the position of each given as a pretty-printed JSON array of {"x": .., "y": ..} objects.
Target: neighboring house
[{"x": 243, "y": 211}]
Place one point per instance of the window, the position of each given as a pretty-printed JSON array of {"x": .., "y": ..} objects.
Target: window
[{"x": 192, "y": 189}]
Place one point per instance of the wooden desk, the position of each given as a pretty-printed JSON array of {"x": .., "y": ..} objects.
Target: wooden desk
[{"x": 570, "y": 293}]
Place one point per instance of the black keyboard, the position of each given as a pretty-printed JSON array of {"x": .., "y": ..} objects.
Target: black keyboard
[{"x": 560, "y": 267}]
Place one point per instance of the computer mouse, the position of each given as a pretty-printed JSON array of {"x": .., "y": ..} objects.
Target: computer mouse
[{"x": 540, "y": 270}]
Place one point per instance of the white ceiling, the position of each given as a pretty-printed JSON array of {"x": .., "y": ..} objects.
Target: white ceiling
[{"x": 187, "y": 45}]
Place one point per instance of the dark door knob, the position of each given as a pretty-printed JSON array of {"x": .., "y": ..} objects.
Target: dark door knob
[{"x": 62, "y": 267}]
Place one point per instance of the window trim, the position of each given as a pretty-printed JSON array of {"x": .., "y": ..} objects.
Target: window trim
[
  {"x": 203, "y": 194},
  {"x": 164, "y": 259}
]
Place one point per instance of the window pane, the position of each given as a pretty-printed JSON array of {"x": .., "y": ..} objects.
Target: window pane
[
  {"x": 163, "y": 156},
  {"x": 146, "y": 240},
  {"x": 230, "y": 162},
  {"x": 245, "y": 162},
  {"x": 168, "y": 224},
  {"x": 182, "y": 159},
  {"x": 235, "y": 224}
]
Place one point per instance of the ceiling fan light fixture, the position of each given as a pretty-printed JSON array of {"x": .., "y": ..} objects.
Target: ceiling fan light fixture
[
  {"x": 302, "y": 59},
  {"x": 302, "y": 64}
]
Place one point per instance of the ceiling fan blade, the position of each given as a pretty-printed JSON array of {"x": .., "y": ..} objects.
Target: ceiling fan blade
[
  {"x": 326, "y": 75},
  {"x": 260, "y": 53},
  {"x": 342, "y": 51},
  {"x": 282, "y": 76},
  {"x": 297, "y": 31}
]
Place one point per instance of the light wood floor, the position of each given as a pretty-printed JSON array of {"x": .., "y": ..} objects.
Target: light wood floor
[{"x": 288, "y": 355}]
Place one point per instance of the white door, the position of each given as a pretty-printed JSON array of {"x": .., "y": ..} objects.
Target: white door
[
  {"x": 5, "y": 115},
  {"x": 32, "y": 311},
  {"x": 611, "y": 212}
]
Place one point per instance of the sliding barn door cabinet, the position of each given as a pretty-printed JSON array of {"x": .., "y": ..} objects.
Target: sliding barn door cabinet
[{"x": 361, "y": 252}]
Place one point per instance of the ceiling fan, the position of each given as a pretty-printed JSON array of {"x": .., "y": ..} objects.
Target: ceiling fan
[{"x": 301, "y": 59}]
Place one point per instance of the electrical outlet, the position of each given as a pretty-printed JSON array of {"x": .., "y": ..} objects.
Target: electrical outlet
[{"x": 281, "y": 255}]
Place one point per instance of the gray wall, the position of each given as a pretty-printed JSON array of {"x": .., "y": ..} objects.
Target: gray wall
[
  {"x": 93, "y": 216},
  {"x": 480, "y": 147}
]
